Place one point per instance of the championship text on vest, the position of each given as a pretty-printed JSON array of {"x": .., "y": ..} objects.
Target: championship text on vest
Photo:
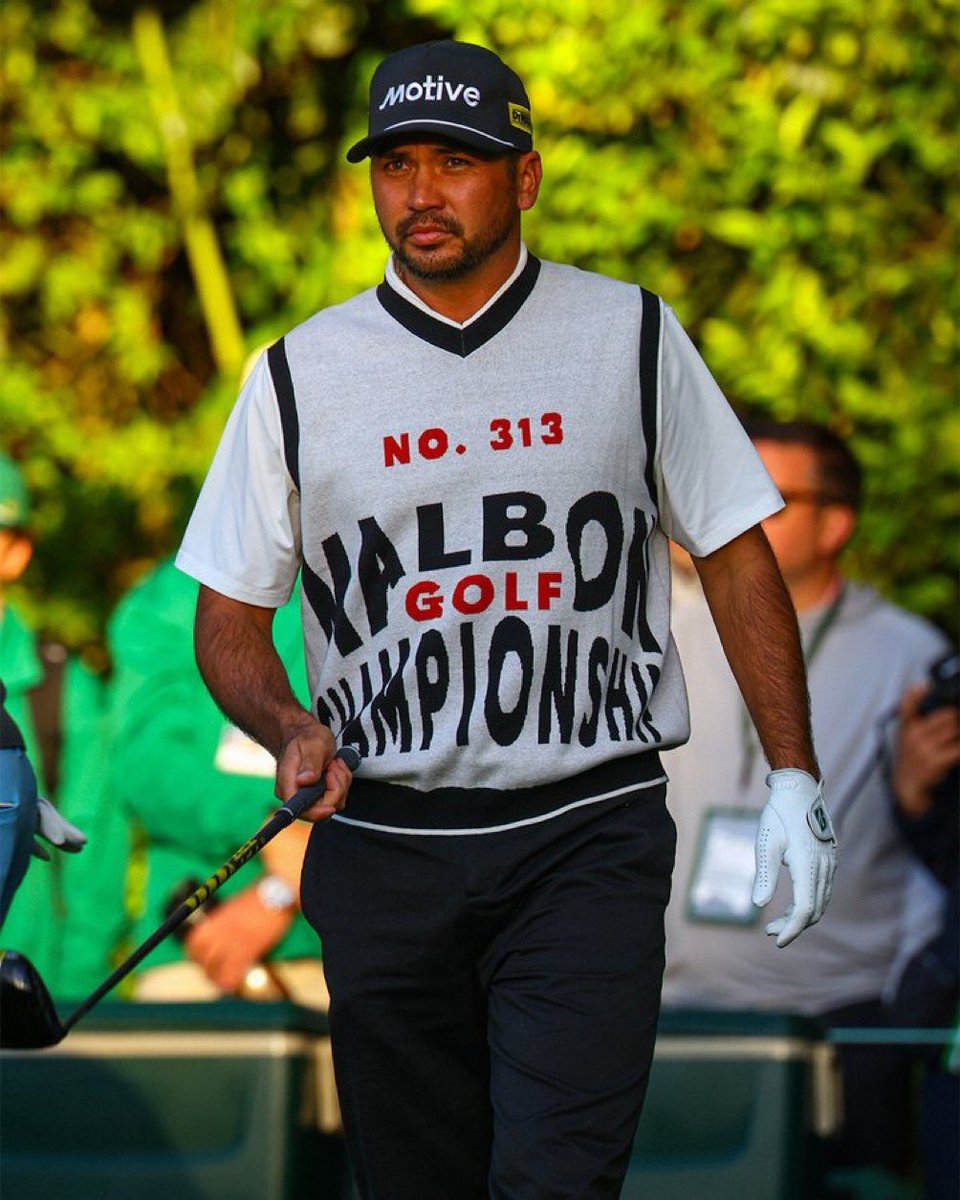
[{"x": 540, "y": 626}]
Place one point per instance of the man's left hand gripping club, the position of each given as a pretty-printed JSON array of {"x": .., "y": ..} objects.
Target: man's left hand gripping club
[{"x": 309, "y": 754}]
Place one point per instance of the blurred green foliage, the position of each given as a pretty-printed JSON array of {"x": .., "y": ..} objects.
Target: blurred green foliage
[{"x": 782, "y": 171}]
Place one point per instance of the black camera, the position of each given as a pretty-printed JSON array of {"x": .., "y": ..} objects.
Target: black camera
[{"x": 944, "y": 685}]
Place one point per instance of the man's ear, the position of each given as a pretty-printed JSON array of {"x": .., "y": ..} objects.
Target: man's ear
[
  {"x": 529, "y": 177},
  {"x": 837, "y": 523}
]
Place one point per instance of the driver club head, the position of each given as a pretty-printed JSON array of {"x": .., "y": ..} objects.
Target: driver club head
[{"x": 28, "y": 1019}]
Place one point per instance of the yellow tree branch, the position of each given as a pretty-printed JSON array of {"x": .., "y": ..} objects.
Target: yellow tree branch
[{"x": 203, "y": 250}]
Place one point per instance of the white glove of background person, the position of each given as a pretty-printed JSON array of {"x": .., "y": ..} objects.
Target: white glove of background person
[
  {"x": 57, "y": 830},
  {"x": 795, "y": 828}
]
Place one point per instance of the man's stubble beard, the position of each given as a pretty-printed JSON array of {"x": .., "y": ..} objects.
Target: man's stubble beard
[{"x": 472, "y": 254}]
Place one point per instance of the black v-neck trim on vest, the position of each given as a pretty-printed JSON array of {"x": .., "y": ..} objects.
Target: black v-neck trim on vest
[{"x": 473, "y": 336}]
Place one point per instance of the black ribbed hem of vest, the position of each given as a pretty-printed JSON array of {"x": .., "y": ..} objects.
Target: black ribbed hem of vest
[
  {"x": 372, "y": 802},
  {"x": 473, "y": 336}
]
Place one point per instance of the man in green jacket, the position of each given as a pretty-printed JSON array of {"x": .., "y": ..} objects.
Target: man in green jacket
[{"x": 196, "y": 788}]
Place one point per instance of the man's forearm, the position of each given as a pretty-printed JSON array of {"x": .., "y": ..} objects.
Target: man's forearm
[
  {"x": 757, "y": 624},
  {"x": 242, "y": 670}
]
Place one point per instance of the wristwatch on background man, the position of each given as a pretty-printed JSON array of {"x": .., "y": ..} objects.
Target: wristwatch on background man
[{"x": 276, "y": 894}]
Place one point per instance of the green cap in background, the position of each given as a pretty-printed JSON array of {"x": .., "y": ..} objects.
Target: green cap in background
[{"x": 13, "y": 494}]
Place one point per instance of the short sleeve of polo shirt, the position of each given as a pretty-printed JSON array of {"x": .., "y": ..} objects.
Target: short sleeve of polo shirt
[
  {"x": 713, "y": 484},
  {"x": 243, "y": 538}
]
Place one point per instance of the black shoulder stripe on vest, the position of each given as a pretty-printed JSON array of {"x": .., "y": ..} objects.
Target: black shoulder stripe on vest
[
  {"x": 286, "y": 401},
  {"x": 649, "y": 379}
]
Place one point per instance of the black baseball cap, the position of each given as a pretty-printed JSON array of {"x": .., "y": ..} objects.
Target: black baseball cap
[{"x": 452, "y": 89}]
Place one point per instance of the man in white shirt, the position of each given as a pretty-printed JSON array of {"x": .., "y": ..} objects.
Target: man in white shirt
[{"x": 476, "y": 466}]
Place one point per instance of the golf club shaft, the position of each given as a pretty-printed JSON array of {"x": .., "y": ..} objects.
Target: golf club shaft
[{"x": 278, "y": 821}]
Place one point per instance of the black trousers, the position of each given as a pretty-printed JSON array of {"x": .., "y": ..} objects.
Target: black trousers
[{"x": 494, "y": 998}]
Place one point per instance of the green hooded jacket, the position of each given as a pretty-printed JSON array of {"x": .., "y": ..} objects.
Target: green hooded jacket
[{"x": 178, "y": 768}]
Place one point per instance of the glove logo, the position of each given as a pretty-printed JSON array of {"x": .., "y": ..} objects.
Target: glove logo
[{"x": 819, "y": 821}]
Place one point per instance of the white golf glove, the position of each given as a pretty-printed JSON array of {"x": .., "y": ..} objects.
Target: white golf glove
[
  {"x": 795, "y": 828},
  {"x": 57, "y": 830}
]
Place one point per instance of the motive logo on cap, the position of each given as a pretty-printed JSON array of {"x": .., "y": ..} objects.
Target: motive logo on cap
[{"x": 430, "y": 89}]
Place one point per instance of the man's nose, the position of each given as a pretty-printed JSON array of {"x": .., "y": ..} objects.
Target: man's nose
[{"x": 425, "y": 191}]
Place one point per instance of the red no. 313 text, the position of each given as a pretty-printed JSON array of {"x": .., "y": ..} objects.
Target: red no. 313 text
[{"x": 505, "y": 434}]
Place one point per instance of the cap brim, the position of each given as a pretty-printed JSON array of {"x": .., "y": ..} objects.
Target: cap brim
[{"x": 474, "y": 138}]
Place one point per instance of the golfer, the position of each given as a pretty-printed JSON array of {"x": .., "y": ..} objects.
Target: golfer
[{"x": 476, "y": 467}]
